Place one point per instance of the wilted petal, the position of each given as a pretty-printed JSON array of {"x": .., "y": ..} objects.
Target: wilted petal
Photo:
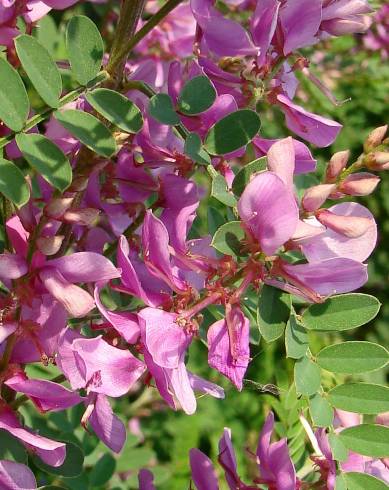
[
  {"x": 45, "y": 394},
  {"x": 85, "y": 267},
  {"x": 270, "y": 211},
  {"x": 146, "y": 480},
  {"x": 228, "y": 347},
  {"x": 203, "y": 472},
  {"x": 332, "y": 276},
  {"x": 332, "y": 244},
  {"x": 107, "y": 426},
  {"x": 316, "y": 129},
  {"x": 16, "y": 476},
  {"x": 76, "y": 301},
  {"x": 12, "y": 266}
]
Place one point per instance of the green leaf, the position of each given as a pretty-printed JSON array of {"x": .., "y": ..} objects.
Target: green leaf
[
  {"x": 72, "y": 466},
  {"x": 353, "y": 357},
  {"x": 232, "y": 132},
  {"x": 11, "y": 448},
  {"x": 46, "y": 158},
  {"x": 273, "y": 312},
  {"x": 296, "y": 339},
  {"x": 220, "y": 191},
  {"x": 117, "y": 109},
  {"x": 85, "y": 48},
  {"x": 194, "y": 150},
  {"x": 360, "y": 398},
  {"x": 13, "y": 184},
  {"x": 341, "y": 312},
  {"x": 103, "y": 470},
  {"x": 339, "y": 450},
  {"x": 340, "y": 483},
  {"x": 40, "y": 68},
  {"x": 134, "y": 459},
  {"x": 227, "y": 238},
  {"x": 306, "y": 376},
  {"x": 161, "y": 108},
  {"x": 321, "y": 411},
  {"x": 89, "y": 130},
  {"x": 363, "y": 481},
  {"x": 367, "y": 439},
  {"x": 14, "y": 103},
  {"x": 243, "y": 177},
  {"x": 197, "y": 95}
]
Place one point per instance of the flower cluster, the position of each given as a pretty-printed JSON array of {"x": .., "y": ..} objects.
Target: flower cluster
[{"x": 59, "y": 264}]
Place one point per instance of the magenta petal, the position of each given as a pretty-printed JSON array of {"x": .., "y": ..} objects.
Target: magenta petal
[
  {"x": 155, "y": 241},
  {"x": 60, "y": 4},
  {"x": 300, "y": 21},
  {"x": 223, "y": 36},
  {"x": 12, "y": 266},
  {"x": 227, "y": 460},
  {"x": 331, "y": 244},
  {"x": 16, "y": 476},
  {"x": 85, "y": 267},
  {"x": 203, "y": 386},
  {"x": 146, "y": 480},
  {"x": 76, "y": 301},
  {"x": 165, "y": 340},
  {"x": 316, "y": 129},
  {"x": 269, "y": 210},
  {"x": 51, "y": 452},
  {"x": 280, "y": 160},
  {"x": 230, "y": 359},
  {"x": 263, "y": 26},
  {"x": 332, "y": 276},
  {"x": 107, "y": 426},
  {"x": 69, "y": 362},
  {"x": 264, "y": 446},
  {"x": 203, "y": 472},
  {"x": 109, "y": 370},
  {"x": 161, "y": 380},
  {"x": 125, "y": 322},
  {"x": 281, "y": 466},
  {"x": 48, "y": 395}
]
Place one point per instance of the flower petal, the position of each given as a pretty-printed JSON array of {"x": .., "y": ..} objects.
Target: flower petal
[{"x": 203, "y": 472}]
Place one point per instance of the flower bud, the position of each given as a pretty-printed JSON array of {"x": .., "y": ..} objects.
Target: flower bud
[
  {"x": 375, "y": 138},
  {"x": 349, "y": 226},
  {"x": 315, "y": 196},
  {"x": 360, "y": 184},
  {"x": 57, "y": 207},
  {"x": 83, "y": 217},
  {"x": 336, "y": 165},
  {"x": 49, "y": 245},
  {"x": 379, "y": 160}
]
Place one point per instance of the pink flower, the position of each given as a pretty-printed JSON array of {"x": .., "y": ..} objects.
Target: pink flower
[{"x": 16, "y": 476}]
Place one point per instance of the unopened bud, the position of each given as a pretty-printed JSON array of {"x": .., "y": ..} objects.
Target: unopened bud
[
  {"x": 360, "y": 184},
  {"x": 57, "y": 207},
  {"x": 83, "y": 217},
  {"x": 315, "y": 196},
  {"x": 349, "y": 226},
  {"x": 50, "y": 245},
  {"x": 336, "y": 165},
  {"x": 375, "y": 138},
  {"x": 379, "y": 160}
]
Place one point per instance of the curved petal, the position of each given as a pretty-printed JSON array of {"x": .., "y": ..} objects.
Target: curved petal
[
  {"x": 12, "y": 266},
  {"x": 269, "y": 210},
  {"x": 16, "y": 476},
  {"x": 85, "y": 267},
  {"x": 203, "y": 472}
]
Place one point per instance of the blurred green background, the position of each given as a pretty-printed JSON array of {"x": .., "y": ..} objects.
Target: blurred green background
[{"x": 160, "y": 438}]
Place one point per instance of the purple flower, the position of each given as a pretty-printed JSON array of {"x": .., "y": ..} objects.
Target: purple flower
[{"x": 203, "y": 472}]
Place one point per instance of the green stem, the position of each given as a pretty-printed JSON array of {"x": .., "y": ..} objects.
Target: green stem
[
  {"x": 70, "y": 97},
  {"x": 130, "y": 13},
  {"x": 126, "y": 48}
]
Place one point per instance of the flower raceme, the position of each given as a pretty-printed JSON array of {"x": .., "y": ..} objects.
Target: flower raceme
[{"x": 112, "y": 279}]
